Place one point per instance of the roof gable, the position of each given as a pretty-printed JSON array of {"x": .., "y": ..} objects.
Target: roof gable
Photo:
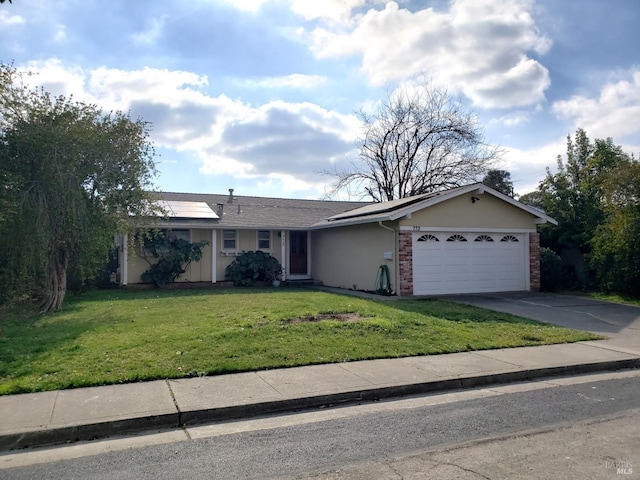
[{"x": 396, "y": 209}]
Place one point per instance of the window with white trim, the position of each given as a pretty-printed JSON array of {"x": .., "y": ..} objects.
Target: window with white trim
[
  {"x": 264, "y": 240},
  {"x": 229, "y": 239},
  {"x": 178, "y": 235},
  {"x": 170, "y": 234}
]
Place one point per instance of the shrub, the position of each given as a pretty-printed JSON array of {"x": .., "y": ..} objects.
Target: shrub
[
  {"x": 173, "y": 258},
  {"x": 251, "y": 267},
  {"x": 551, "y": 270}
]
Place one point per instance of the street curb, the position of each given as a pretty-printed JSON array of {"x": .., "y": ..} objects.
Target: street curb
[
  {"x": 180, "y": 419},
  {"x": 90, "y": 431}
]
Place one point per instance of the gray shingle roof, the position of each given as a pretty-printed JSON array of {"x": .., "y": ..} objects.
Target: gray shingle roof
[
  {"x": 393, "y": 205},
  {"x": 263, "y": 212},
  {"x": 394, "y": 209}
]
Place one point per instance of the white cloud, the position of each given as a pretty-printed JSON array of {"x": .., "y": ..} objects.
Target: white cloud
[
  {"x": 335, "y": 10},
  {"x": 288, "y": 184},
  {"x": 56, "y": 78},
  {"x": 282, "y": 142},
  {"x": 514, "y": 119},
  {"x": 183, "y": 115},
  {"x": 477, "y": 47},
  {"x": 60, "y": 34},
  {"x": 152, "y": 33},
  {"x": 8, "y": 20},
  {"x": 283, "y": 139},
  {"x": 614, "y": 113},
  {"x": 528, "y": 167},
  {"x": 295, "y": 80},
  {"x": 120, "y": 87}
]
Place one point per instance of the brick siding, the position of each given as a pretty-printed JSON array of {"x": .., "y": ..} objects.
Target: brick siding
[
  {"x": 534, "y": 262},
  {"x": 405, "y": 264}
]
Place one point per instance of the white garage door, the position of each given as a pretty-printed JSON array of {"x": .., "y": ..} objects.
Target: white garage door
[{"x": 449, "y": 262}]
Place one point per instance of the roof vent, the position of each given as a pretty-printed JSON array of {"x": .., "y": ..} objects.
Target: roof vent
[
  {"x": 230, "y": 200},
  {"x": 220, "y": 209}
]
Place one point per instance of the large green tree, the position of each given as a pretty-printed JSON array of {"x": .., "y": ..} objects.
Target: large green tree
[
  {"x": 563, "y": 197},
  {"x": 499, "y": 180},
  {"x": 615, "y": 255},
  {"x": 71, "y": 176},
  {"x": 575, "y": 194}
]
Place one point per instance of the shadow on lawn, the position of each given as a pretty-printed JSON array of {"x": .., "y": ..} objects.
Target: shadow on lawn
[
  {"x": 153, "y": 293},
  {"x": 29, "y": 341},
  {"x": 456, "y": 312}
]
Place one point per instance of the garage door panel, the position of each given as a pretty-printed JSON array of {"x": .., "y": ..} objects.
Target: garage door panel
[
  {"x": 469, "y": 266},
  {"x": 486, "y": 262},
  {"x": 454, "y": 270}
]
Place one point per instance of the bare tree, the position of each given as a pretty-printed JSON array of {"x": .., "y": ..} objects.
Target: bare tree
[{"x": 418, "y": 141}]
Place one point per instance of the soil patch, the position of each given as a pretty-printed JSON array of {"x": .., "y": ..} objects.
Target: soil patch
[{"x": 340, "y": 317}]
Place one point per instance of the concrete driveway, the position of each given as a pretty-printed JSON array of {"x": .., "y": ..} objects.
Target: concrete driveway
[{"x": 620, "y": 323}]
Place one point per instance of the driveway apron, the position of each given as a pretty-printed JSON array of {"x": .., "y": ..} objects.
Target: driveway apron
[{"x": 619, "y": 323}]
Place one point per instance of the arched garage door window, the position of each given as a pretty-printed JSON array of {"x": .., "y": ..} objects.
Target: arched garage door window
[
  {"x": 509, "y": 238},
  {"x": 428, "y": 238},
  {"x": 456, "y": 238},
  {"x": 483, "y": 238}
]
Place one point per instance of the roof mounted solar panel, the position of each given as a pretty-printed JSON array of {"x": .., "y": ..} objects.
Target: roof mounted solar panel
[
  {"x": 183, "y": 209},
  {"x": 381, "y": 207}
]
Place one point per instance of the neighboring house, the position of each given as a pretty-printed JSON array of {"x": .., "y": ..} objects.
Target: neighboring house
[{"x": 464, "y": 240}]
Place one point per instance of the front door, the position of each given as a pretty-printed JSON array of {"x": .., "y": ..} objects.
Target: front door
[{"x": 297, "y": 253}]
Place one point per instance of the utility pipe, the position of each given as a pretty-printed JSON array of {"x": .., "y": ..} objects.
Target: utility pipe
[{"x": 395, "y": 256}]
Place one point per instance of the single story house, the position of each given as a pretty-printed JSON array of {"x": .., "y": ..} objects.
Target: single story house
[{"x": 468, "y": 239}]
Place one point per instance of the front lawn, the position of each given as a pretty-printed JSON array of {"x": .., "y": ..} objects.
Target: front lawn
[
  {"x": 613, "y": 297},
  {"x": 117, "y": 336}
]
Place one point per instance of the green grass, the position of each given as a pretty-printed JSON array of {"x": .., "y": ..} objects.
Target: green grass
[
  {"x": 118, "y": 336},
  {"x": 612, "y": 297}
]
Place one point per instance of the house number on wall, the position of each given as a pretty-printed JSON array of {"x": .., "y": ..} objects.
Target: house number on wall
[{"x": 416, "y": 229}]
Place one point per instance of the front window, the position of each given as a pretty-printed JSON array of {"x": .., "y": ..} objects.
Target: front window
[
  {"x": 178, "y": 235},
  {"x": 264, "y": 240},
  {"x": 229, "y": 239}
]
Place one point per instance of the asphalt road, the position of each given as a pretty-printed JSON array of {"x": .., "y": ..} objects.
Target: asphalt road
[{"x": 284, "y": 447}]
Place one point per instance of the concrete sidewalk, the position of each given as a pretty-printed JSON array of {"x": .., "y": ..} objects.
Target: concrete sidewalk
[{"x": 85, "y": 413}]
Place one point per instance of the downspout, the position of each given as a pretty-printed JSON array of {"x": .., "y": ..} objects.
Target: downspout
[{"x": 395, "y": 256}]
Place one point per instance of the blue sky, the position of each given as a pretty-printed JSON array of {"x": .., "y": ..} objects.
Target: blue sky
[{"x": 261, "y": 95}]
